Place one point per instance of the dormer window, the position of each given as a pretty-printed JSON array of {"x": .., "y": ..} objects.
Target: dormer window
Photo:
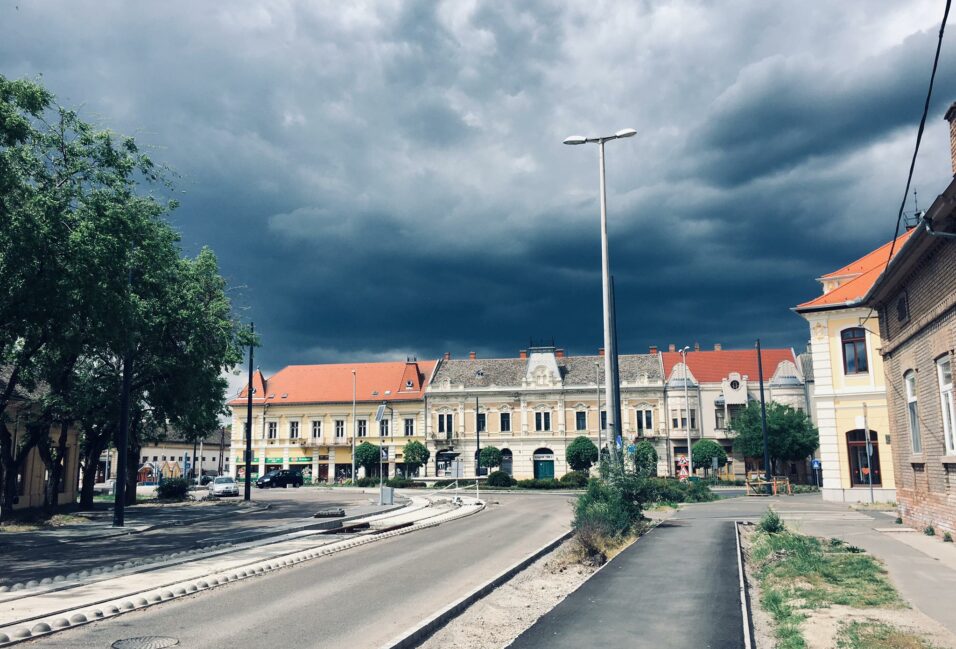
[
  {"x": 479, "y": 373},
  {"x": 735, "y": 385},
  {"x": 409, "y": 385}
]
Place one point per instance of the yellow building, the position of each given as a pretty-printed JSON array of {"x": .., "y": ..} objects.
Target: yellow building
[
  {"x": 307, "y": 417},
  {"x": 850, "y": 391}
]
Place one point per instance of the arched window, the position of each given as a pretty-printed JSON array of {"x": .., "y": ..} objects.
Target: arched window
[
  {"x": 854, "y": 351},
  {"x": 912, "y": 414}
]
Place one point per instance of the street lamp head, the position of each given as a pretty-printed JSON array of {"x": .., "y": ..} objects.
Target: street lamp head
[
  {"x": 575, "y": 139},
  {"x": 626, "y": 132}
]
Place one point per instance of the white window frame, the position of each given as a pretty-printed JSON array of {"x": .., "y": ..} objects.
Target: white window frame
[
  {"x": 946, "y": 402},
  {"x": 505, "y": 428},
  {"x": 409, "y": 427},
  {"x": 339, "y": 428},
  {"x": 912, "y": 410},
  {"x": 446, "y": 423},
  {"x": 481, "y": 422},
  {"x": 293, "y": 430},
  {"x": 577, "y": 423},
  {"x": 272, "y": 429},
  {"x": 316, "y": 429},
  {"x": 542, "y": 421},
  {"x": 362, "y": 428},
  {"x": 641, "y": 416},
  {"x": 383, "y": 427}
]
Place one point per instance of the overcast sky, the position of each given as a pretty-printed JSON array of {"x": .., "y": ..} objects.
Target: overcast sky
[{"x": 386, "y": 179}]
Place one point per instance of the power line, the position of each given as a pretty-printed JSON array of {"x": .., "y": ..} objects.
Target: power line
[{"x": 919, "y": 134}]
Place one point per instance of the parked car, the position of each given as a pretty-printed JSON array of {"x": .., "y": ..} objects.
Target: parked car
[
  {"x": 224, "y": 486},
  {"x": 280, "y": 478}
]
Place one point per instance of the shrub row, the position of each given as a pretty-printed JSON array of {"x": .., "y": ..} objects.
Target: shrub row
[{"x": 173, "y": 489}]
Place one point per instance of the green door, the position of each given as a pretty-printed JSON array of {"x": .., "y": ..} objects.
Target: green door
[{"x": 543, "y": 469}]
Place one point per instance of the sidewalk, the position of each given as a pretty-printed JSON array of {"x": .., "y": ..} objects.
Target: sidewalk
[{"x": 922, "y": 568}]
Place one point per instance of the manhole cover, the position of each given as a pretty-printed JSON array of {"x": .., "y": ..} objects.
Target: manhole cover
[{"x": 146, "y": 642}]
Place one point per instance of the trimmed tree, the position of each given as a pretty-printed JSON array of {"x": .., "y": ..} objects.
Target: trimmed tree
[
  {"x": 414, "y": 455},
  {"x": 645, "y": 459},
  {"x": 367, "y": 456},
  {"x": 581, "y": 454},
  {"x": 704, "y": 453},
  {"x": 792, "y": 437},
  {"x": 489, "y": 457}
]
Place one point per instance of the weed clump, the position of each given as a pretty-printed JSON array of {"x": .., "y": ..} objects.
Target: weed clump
[{"x": 771, "y": 523}]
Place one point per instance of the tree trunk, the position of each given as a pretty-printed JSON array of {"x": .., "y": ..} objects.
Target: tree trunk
[
  {"x": 132, "y": 469},
  {"x": 91, "y": 457},
  {"x": 53, "y": 459}
]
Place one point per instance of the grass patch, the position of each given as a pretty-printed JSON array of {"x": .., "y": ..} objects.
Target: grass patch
[
  {"x": 877, "y": 635},
  {"x": 30, "y": 522},
  {"x": 798, "y": 574}
]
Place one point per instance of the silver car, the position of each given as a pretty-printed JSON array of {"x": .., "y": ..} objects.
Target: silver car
[{"x": 224, "y": 486}]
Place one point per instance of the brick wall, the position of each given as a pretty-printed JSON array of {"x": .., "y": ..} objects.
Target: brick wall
[{"x": 926, "y": 486}]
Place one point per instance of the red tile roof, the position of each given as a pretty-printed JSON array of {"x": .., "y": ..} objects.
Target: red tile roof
[
  {"x": 333, "y": 383},
  {"x": 865, "y": 271},
  {"x": 714, "y": 366}
]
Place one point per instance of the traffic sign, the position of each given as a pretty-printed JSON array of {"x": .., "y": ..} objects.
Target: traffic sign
[
  {"x": 682, "y": 461},
  {"x": 632, "y": 448},
  {"x": 815, "y": 464}
]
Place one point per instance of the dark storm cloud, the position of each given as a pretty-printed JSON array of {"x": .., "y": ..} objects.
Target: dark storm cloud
[{"x": 385, "y": 179}]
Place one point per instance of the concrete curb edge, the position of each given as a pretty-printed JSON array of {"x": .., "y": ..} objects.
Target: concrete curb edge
[{"x": 747, "y": 618}]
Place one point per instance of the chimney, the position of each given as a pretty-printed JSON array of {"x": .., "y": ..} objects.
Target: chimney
[
  {"x": 951, "y": 118},
  {"x": 696, "y": 347},
  {"x": 652, "y": 349},
  {"x": 559, "y": 353},
  {"x": 601, "y": 352},
  {"x": 447, "y": 356},
  {"x": 472, "y": 356},
  {"x": 672, "y": 347},
  {"x": 523, "y": 354},
  {"x": 717, "y": 347}
]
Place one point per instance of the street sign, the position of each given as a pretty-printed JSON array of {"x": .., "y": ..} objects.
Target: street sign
[
  {"x": 632, "y": 448},
  {"x": 384, "y": 452},
  {"x": 815, "y": 464},
  {"x": 683, "y": 473},
  {"x": 380, "y": 413},
  {"x": 682, "y": 461}
]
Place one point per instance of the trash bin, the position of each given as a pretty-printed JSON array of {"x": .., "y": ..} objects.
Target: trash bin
[{"x": 388, "y": 496}]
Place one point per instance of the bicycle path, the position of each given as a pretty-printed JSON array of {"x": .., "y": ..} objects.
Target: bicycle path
[{"x": 676, "y": 587}]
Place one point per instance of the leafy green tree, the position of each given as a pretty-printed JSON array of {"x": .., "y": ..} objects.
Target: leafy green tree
[
  {"x": 90, "y": 275},
  {"x": 791, "y": 435},
  {"x": 645, "y": 459},
  {"x": 704, "y": 453},
  {"x": 489, "y": 457},
  {"x": 367, "y": 456},
  {"x": 581, "y": 453},
  {"x": 414, "y": 455}
]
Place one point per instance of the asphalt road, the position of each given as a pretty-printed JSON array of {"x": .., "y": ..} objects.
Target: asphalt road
[
  {"x": 358, "y": 598},
  {"x": 22, "y": 561},
  {"x": 676, "y": 587}
]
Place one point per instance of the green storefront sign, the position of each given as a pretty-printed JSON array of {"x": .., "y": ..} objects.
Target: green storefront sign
[
  {"x": 300, "y": 460},
  {"x": 274, "y": 460}
]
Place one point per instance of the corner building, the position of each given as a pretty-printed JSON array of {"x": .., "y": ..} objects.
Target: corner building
[
  {"x": 533, "y": 406},
  {"x": 302, "y": 417}
]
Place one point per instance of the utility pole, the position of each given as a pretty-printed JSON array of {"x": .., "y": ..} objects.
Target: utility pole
[
  {"x": 869, "y": 452},
  {"x": 763, "y": 423},
  {"x": 122, "y": 448},
  {"x": 690, "y": 451},
  {"x": 354, "y": 431},
  {"x": 477, "y": 445},
  {"x": 248, "y": 486},
  {"x": 597, "y": 371}
]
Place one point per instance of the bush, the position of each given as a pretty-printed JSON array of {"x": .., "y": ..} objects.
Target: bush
[
  {"x": 500, "y": 479},
  {"x": 947, "y": 537},
  {"x": 929, "y": 530},
  {"x": 581, "y": 453},
  {"x": 367, "y": 481},
  {"x": 669, "y": 490},
  {"x": 645, "y": 459},
  {"x": 771, "y": 523},
  {"x": 173, "y": 489},
  {"x": 550, "y": 483},
  {"x": 574, "y": 479},
  {"x": 403, "y": 483},
  {"x": 605, "y": 513},
  {"x": 804, "y": 488}
]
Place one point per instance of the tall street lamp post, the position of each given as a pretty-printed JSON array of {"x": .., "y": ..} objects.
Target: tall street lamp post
[
  {"x": 610, "y": 350},
  {"x": 354, "y": 430},
  {"x": 690, "y": 458},
  {"x": 247, "y": 487}
]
